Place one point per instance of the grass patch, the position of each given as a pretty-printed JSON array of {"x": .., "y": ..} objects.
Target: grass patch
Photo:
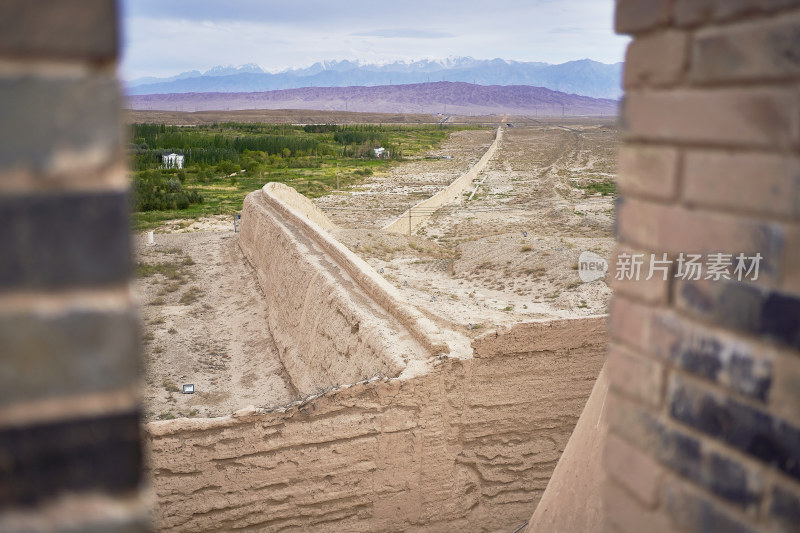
[{"x": 190, "y": 296}]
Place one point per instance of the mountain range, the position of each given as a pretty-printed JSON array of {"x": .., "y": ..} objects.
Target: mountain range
[
  {"x": 584, "y": 77},
  {"x": 443, "y": 98}
]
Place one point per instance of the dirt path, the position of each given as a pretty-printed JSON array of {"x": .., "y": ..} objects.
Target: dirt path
[{"x": 205, "y": 323}]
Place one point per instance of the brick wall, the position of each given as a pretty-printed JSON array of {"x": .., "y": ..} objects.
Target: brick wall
[
  {"x": 704, "y": 408},
  {"x": 70, "y": 450}
]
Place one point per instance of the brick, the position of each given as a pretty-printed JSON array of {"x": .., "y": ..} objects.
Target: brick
[
  {"x": 57, "y": 241},
  {"x": 78, "y": 352},
  {"x": 675, "y": 230},
  {"x": 784, "y": 509},
  {"x": 686, "y": 455},
  {"x": 790, "y": 271},
  {"x": 635, "y": 376},
  {"x": 51, "y": 125},
  {"x": 759, "y": 50},
  {"x": 696, "y": 12},
  {"x": 74, "y": 29},
  {"x": 772, "y": 315},
  {"x": 697, "y": 514},
  {"x": 735, "y": 117},
  {"x": 785, "y": 395},
  {"x": 638, "y": 16},
  {"x": 656, "y": 59},
  {"x": 648, "y": 171},
  {"x": 629, "y": 272},
  {"x": 629, "y": 322},
  {"x": 763, "y": 184},
  {"x": 633, "y": 469},
  {"x": 726, "y": 360},
  {"x": 85, "y": 455},
  {"x": 755, "y": 432},
  {"x": 626, "y": 514}
]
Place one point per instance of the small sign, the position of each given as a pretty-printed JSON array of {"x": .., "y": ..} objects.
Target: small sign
[{"x": 188, "y": 388}]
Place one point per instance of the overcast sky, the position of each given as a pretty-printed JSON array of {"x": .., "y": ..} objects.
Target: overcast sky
[{"x": 166, "y": 37}]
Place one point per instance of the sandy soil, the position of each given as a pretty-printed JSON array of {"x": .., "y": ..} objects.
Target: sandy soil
[
  {"x": 472, "y": 266},
  {"x": 205, "y": 323}
]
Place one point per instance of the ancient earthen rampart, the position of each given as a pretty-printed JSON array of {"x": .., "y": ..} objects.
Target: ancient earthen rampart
[
  {"x": 469, "y": 445},
  {"x": 334, "y": 319}
]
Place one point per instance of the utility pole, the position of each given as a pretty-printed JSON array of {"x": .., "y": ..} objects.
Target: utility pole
[{"x": 337, "y": 175}]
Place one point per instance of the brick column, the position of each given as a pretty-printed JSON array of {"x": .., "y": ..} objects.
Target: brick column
[
  {"x": 70, "y": 451},
  {"x": 704, "y": 407}
]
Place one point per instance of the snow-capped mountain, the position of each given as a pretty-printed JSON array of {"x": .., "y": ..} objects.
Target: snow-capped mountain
[{"x": 584, "y": 77}]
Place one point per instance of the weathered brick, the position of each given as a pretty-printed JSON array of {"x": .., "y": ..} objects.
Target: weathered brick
[
  {"x": 686, "y": 455},
  {"x": 656, "y": 59},
  {"x": 730, "y": 361},
  {"x": 647, "y": 171},
  {"x": 630, "y": 269},
  {"x": 695, "y": 12},
  {"x": 41, "y": 461},
  {"x": 633, "y": 469},
  {"x": 697, "y": 514},
  {"x": 47, "y": 356},
  {"x": 753, "y": 431},
  {"x": 750, "y": 117},
  {"x": 638, "y": 16},
  {"x": 75, "y": 29},
  {"x": 785, "y": 394},
  {"x": 55, "y": 241},
  {"x": 675, "y": 230},
  {"x": 51, "y": 125},
  {"x": 626, "y": 514},
  {"x": 764, "y": 184},
  {"x": 744, "y": 307},
  {"x": 635, "y": 376},
  {"x": 629, "y": 322},
  {"x": 784, "y": 510},
  {"x": 759, "y": 50}
]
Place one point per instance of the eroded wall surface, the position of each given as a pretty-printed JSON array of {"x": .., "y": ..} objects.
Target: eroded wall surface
[
  {"x": 468, "y": 445},
  {"x": 334, "y": 320}
]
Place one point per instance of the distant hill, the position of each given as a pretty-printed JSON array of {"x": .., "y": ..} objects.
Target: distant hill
[
  {"x": 430, "y": 98},
  {"x": 584, "y": 77}
]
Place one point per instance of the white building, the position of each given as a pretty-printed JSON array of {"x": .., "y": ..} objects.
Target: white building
[
  {"x": 172, "y": 160},
  {"x": 380, "y": 152}
]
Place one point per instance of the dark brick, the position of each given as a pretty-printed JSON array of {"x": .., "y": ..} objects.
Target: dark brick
[
  {"x": 45, "y": 118},
  {"x": 98, "y": 454},
  {"x": 84, "y": 29},
  {"x": 745, "y": 308},
  {"x": 58, "y": 241},
  {"x": 696, "y": 514},
  {"x": 750, "y": 430},
  {"x": 686, "y": 456},
  {"x": 785, "y": 509},
  {"x": 780, "y": 318},
  {"x": 80, "y": 352},
  {"x": 723, "y": 360}
]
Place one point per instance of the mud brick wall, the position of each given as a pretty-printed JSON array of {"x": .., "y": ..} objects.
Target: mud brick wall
[
  {"x": 704, "y": 407},
  {"x": 70, "y": 451},
  {"x": 469, "y": 445}
]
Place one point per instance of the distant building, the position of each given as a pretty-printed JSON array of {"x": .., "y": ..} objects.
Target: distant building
[
  {"x": 172, "y": 160},
  {"x": 381, "y": 152}
]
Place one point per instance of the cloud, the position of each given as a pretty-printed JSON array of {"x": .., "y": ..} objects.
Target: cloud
[
  {"x": 163, "y": 38},
  {"x": 404, "y": 34}
]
